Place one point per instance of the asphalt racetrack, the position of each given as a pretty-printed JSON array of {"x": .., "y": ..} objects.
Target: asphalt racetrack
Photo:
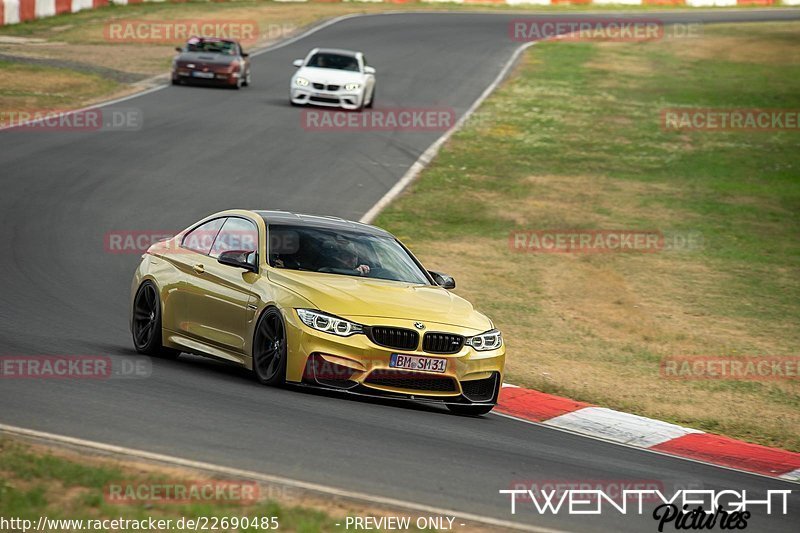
[{"x": 202, "y": 150}]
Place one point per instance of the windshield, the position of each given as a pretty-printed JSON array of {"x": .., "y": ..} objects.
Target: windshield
[
  {"x": 342, "y": 252},
  {"x": 212, "y": 47},
  {"x": 335, "y": 61}
]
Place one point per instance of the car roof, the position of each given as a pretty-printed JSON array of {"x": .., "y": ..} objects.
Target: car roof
[
  {"x": 339, "y": 51},
  {"x": 201, "y": 39},
  {"x": 318, "y": 221}
]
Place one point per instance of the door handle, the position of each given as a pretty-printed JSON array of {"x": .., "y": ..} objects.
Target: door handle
[{"x": 200, "y": 269}]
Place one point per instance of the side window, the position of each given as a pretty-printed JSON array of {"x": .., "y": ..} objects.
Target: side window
[
  {"x": 202, "y": 237},
  {"x": 237, "y": 234}
]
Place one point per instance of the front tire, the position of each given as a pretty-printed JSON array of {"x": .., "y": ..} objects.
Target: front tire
[
  {"x": 269, "y": 349},
  {"x": 146, "y": 323},
  {"x": 469, "y": 410},
  {"x": 371, "y": 98}
]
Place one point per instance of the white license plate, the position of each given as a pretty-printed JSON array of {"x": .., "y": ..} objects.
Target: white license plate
[
  {"x": 206, "y": 75},
  {"x": 413, "y": 362}
]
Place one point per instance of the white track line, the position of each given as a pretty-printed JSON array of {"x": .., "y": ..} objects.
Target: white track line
[
  {"x": 428, "y": 155},
  {"x": 407, "y": 178},
  {"x": 267, "y": 478},
  {"x": 424, "y": 160},
  {"x": 258, "y": 52}
]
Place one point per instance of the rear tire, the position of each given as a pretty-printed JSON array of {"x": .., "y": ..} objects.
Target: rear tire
[
  {"x": 269, "y": 349},
  {"x": 146, "y": 323},
  {"x": 469, "y": 410}
]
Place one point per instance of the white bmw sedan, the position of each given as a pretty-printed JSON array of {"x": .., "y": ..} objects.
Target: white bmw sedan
[{"x": 333, "y": 78}]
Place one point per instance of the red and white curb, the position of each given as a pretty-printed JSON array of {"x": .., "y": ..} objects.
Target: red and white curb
[
  {"x": 16, "y": 11},
  {"x": 634, "y": 430}
]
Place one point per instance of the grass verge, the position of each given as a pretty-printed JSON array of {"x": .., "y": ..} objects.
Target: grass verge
[
  {"x": 574, "y": 140},
  {"x": 36, "y": 483},
  {"x": 74, "y": 48},
  {"x": 65, "y": 485}
]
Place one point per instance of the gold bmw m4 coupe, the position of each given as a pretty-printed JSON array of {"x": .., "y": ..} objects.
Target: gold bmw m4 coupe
[{"x": 319, "y": 302}]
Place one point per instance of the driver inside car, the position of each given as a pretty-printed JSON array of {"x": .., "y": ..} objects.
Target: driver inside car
[{"x": 343, "y": 256}]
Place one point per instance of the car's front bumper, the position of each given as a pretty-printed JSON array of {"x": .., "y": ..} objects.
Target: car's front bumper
[
  {"x": 319, "y": 97},
  {"x": 219, "y": 78},
  {"x": 357, "y": 365}
]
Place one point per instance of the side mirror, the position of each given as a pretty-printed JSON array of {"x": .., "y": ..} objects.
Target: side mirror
[
  {"x": 297, "y": 62},
  {"x": 238, "y": 259},
  {"x": 245, "y": 54},
  {"x": 369, "y": 70},
  {"x": 443, "y": 280},
  {"x": 178, "y": 49}
]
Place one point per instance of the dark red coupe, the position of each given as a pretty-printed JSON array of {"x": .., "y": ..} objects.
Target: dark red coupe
[{"x": 211, "y": 61}]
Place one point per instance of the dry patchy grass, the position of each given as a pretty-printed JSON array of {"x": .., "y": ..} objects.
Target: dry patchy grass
[{"x": 573, "y": 141}]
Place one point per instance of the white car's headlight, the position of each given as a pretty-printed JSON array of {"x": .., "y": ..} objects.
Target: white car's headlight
[
  {"x": 329, "y": 323},
  {"x": 302, "y": 82},
  {"x": 490, "y": 340},
  {"x": 352, "y": 86}
]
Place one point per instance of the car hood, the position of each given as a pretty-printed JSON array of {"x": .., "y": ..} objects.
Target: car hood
[
  {"x": 352, "y": 297},
  {"x": 329, "y": 75},
  {"x": 204, "y": 58}
]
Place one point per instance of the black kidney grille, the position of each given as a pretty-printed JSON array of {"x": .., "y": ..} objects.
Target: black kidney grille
[
  {"x": 333, "y": 87},
  {"x": 318, "y": 85},
  {"x": 397, "y": 338},
  {"x": 399, "y": 379},
  {"x": 434, "y": 342},
  {"x": 480, "y": 390}
]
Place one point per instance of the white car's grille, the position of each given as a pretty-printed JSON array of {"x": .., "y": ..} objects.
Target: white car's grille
[{"x": 322, "y": 87}]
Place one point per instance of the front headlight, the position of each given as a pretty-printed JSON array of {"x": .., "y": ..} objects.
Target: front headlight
[
  {"x": 302, "y": 82},
  {"x": 329, "y": 323},
  {"x": 490, "y": 340},
  {"x": 352, "y": 86}
]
